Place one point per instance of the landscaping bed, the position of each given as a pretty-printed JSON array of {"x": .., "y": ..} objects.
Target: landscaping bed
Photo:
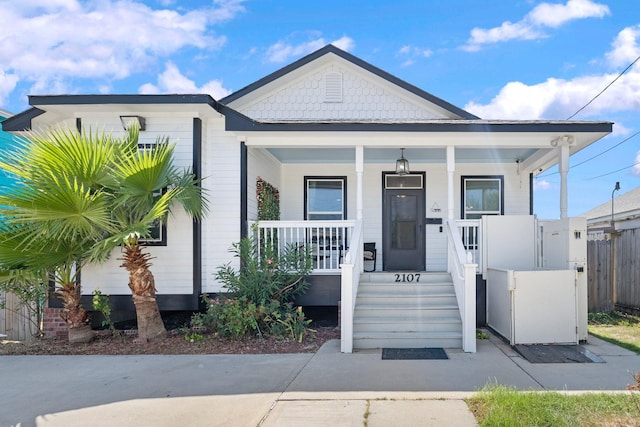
[{"x": 119, "y": 343}]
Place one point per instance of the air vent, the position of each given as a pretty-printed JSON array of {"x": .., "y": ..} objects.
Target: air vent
[{"x": 333, "y": 87}]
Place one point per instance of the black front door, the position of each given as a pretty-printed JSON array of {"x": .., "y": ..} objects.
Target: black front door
[{"x": 403, "y": 218}]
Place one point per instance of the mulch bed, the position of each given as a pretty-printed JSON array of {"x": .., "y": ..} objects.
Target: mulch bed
[{"x": 174, "y": 343}]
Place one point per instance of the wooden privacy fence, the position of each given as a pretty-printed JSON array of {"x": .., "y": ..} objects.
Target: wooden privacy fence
[
  {"x": 614, "y": 272},
  {"x": 15, "y": 321}
]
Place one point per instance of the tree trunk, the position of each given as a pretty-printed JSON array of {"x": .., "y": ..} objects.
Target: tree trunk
[
  {"x": 81, "y": 334},
  {"x": 73, "y": 314},
  {"x": 143, "y": 286},
  {"x": 150, "y": 324}
]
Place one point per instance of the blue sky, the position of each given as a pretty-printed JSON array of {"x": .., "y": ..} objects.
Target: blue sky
[{"x": 497, "y": 59}]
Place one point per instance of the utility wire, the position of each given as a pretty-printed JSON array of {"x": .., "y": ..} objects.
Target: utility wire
[
  {"x": 593, "y": 157},
  {"x": 603, "y": 90},
  {"x": 611, "y": 173},
  {"x": 607, "y": 150}
]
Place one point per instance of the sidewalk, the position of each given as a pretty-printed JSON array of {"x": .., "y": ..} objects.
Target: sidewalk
[{"x": 327, "y": 388}]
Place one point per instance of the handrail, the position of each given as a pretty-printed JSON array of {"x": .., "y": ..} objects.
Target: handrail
[
  {"x": 327, "y": 240},
  {"x": 351, "y": 269},
  {"x": 463, "y": 274}
]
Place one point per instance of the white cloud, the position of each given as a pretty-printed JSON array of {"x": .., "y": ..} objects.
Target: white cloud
[
  {"x": 554, "y": 15},
  {"x": 47, "y": 42},
  {"x": 283, "y": 51},
  {"x": 7, "y": 85},
  {"x": 625, "y": 47},
  {"x": 544, "y": 15},
  {"x": 636, "y": 168},
  {"x": 173, "y": 81},
  {"x": 409, "y": 53},
  {"x": 559, "y": 99},
  {"x": 541, "y": 184}
]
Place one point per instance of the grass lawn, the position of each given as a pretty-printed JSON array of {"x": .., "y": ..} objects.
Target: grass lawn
[
  {"x": 618, "y": 328},
  {"x": 503, "y": 406},
  {"x": 498, "y": 405}
]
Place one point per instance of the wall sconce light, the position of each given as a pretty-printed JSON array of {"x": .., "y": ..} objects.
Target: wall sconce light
[
  {"x": 128, "y": 121},
  {"x": 402, "y": 164}
]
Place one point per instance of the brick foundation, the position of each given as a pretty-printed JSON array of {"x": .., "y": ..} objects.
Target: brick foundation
[{"x": 53, "y": 325}]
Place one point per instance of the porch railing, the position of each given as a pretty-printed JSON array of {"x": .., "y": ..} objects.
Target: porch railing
[
  {"x": 463, "y": 273},
  {"x": 471, "y": 234},
  {"x": 327, "y": 241},
  {"x": 350, "y": 279}
]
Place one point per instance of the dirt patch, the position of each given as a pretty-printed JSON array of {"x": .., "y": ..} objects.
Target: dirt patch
[{"x": 175, "y": 343}]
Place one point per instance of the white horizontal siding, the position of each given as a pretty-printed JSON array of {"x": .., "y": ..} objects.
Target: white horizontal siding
[
  {"x": 172, "y": 265},
  {"x": 221, "y": 228}
]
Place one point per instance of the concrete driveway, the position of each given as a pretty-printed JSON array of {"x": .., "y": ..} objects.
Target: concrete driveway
[{"x": 326, "y": 388}]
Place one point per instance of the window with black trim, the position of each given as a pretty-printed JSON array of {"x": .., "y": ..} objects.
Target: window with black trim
[
  {"x": 325, "y": 198},
  {"x": 482, "y": 195},
  {"x": 158, "y": 231}
]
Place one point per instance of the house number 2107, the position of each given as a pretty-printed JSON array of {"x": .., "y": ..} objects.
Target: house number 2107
[{"x": 407, "y": 277}]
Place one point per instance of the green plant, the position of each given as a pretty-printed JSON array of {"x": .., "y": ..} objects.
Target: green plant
[
  {"x": 30, "y": 289},
  {"x": 100, "y": 303},
  {"x": 497, "y": 405},
  {"x": 268, "y": 201},
  {"x": 194, "y": 337},
  {"x": 265, "y": 273},
  {"x": 481, "y": 335},
  {"x": 296, "y": 324},
  {"x": 617, "y": 328}
]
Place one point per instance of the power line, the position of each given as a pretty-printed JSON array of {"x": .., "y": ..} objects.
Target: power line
[
  {"x": 607, "y": 150},
  {"x": 593, "y": 157},
  {"x": 611, "y": 173},
  {"x": 603, "y": 90}
]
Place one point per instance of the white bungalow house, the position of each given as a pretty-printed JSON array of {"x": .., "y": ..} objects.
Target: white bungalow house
[{"x": 358, "y": 156}]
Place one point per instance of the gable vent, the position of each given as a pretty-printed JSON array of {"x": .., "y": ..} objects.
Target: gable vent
[{"x": 333, "y": 87}]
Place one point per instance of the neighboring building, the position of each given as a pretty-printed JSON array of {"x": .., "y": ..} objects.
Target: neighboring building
[
  {"x": 7, "y": 141},
  {"x": 620, "y": 213},
  {"x": 327, "y": 132},
  {"x": 614, "y": 254}
]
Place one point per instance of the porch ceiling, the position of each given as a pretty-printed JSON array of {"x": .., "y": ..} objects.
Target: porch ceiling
[{"x": 389, "y": 155}]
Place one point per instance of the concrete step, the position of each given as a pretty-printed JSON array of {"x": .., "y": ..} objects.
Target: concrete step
[
  {"x": 403, "y": 324},
  {"x": 407, "y": 340},
  {"x": 403, "y": 311},
  {"x": 408, "y": 309},
  {"x": 409, "y": 301},
  {"x": 365, "y": 288}
]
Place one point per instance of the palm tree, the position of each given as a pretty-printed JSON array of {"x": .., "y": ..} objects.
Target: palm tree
[
  {"x": 55, "y": 215},
  {"x": 148, "y": 187},
  {"x": 78, "y": 196}
]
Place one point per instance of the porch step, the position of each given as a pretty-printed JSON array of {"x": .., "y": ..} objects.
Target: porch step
[{"x": 421, "y": 311}]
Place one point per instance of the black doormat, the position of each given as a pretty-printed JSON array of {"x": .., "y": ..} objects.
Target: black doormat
[
  {"x": 551, "y": 353},
  {"x": 413, "y": 354}
]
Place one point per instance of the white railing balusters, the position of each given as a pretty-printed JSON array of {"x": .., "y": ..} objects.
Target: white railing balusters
[{"x": 328, "y": 241}]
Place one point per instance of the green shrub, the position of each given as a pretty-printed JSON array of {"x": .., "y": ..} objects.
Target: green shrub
[
  {"x": 100, "y": 303},
  {"x": 266, "y": 274},
  {"x": 296, "y": 324}
]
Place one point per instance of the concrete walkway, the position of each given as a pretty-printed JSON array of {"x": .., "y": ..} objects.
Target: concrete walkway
[{"x": 323, "y": 389}]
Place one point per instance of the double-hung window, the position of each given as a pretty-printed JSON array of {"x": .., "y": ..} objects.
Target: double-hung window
[
  {"x": 158, "y": 231},
  {"x": 482, "y": 195},
  {"x": 325, "y": 198}
]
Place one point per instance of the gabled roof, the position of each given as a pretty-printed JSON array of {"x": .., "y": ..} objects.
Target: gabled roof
[
  {"x": 625, "y": 206},
  {"x": 330, "y": 49}
]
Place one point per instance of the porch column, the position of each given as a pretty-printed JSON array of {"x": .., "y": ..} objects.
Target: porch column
[
  {"x": 359, "y": 183},
  {"x": 451, "y": 169},
  {"x": 564, "y": 169}
]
